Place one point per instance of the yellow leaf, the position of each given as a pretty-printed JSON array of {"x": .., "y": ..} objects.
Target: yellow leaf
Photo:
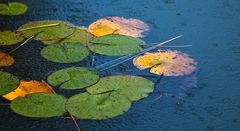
[
  {"x": 103, "y": 27},
  {"x": 5, "y": 59},
  {"x": 29, "y": 87},
  {"x": 118, "y": 25},
  {"x": 168, "y": 63}
]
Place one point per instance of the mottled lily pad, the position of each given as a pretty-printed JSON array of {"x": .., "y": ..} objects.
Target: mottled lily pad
[
  {"x": 116, "y": 45},
  {"x": 13, "y": 8},
  {"x": 133, "y": 87},
  {"x": 8, "y": 82},
  {"x": 73, "y": 78},
  {"x": 39, "y": 105},
  {"x": 48, "y": 30},
  {"x": 101, "y": 106},
  {"x": 10, "y": 38},
  {"x": 65, "y": 53}
]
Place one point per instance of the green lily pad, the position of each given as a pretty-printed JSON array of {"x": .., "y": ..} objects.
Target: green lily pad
[
  {"x": 73, "y": 78},
  {"x": 10, "y": 38},
  {"x": 133, "y": 87},
  {"x": 48, "y": 30},
  {"x": 101, "y": 106},
  {"x": 39, "y": 105},
  {"x": 8, "y": 82},
  {"x": 13, "y": 8},
  {"x": 116, "y": 45},
  {"x": 65, "y": 53},
  {"x": 80, "y": 35}
]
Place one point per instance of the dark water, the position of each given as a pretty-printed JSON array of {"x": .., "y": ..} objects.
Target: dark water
[{"x": 212, "y": 97}]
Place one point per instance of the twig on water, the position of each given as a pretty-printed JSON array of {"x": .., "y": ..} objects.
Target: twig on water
[
  {"x": 123, "y": 59},
  {"x": 37, "y": 27}
]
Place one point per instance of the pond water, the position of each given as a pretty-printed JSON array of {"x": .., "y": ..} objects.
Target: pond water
[{"x": 208, "y": 99}]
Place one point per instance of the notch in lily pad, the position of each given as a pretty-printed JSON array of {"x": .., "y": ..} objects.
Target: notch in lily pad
[
  {"x": 8, "y": 82},
  {"x": 116, "y": 45},
  {"x": 39, "y": 105},
  {"x": 134, "y": 87},
  {"x": 73, "y": 78},
  {"x": 13, "y": 8},
  {"x": 65, "y": 53}
]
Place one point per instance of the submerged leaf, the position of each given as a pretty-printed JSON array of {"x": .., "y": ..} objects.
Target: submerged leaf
[
  {"x": 29, "y": 87},
  {"x": 116, "y": 45},
  {"x": 133, "y": 87},
  {"x": 8, "y": 82},
  {"x": 48, "y": 30},
  {"x": 118, "y": 25},
  {"x": 13, "y": 8},
  {"x": 101, "y": 106},
  {"x": 39, "y": 105},
  {"x": 73, "y": 78},
  {"x": 168, "y": 63},
  {"x": 10, "y": 38},
  {"x": 65, "y": 53},
  {"x": 5, "y": 60}
]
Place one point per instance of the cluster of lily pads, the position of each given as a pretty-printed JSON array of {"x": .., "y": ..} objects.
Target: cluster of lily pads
[
  {"x": 66, "y": 43},
  {"x": 103, "y": 98}
]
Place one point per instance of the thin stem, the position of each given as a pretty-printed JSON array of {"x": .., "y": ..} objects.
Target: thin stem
[
  {"x": 40, "y": 26},
  {"x": 26, "y": 41},
  {"x": 74, "y": 120},
  {"x": 4, "y": 104},
  {"x": 180, "y": 46}
]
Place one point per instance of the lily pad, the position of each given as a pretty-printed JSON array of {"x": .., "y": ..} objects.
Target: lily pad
[
  {"x": 116, "y": 45},
  {"x": 65, "y": 53},
  {"x": 6, "y": 59},
  {"x": 13, "y": 8},
  {"x": 80, "y": 35},
  {"x": 39, "y": 105},
  {"x": 73, "y": 78},
  {"x": 133, "y": 87},
  {"x": 101, "y": 106},
  {"x": 8, "y": 82},
  {"x": 10, "y": 38},
  {"x": 48, "y": 29}
]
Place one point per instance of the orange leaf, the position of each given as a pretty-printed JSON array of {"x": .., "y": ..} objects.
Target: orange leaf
[
  {"x": 29, "y": 87},
  {"x": 168, "y": 63},
  {"x": 118, "y": 25},
  {"x": 5, "y": 60}
]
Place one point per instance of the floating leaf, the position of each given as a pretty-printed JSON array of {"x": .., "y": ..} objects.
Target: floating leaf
[
  {"x": 103, "y": 27},
  {"x": 10, "y": 38},
  {"x": 65, "y": 53},
  {"x": 116, "y": 45},
  {"x": 73, "y": 78},
  {"x": 81, "y": 35},
  {"x": 133, "y": 87},
  {"x": 118, "y": 25},
  {"x": 13, "y": 8},
  {"x": 101, "y": 106},
  {"x": 29, "y": 87},
  {"x": 8, "y": 82},
  {"x": 48, "y": 30},
  {"x": 39, "y": 105},
  {"x": 5, "y": 60},
  {"x": 168, "y": 63}
]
